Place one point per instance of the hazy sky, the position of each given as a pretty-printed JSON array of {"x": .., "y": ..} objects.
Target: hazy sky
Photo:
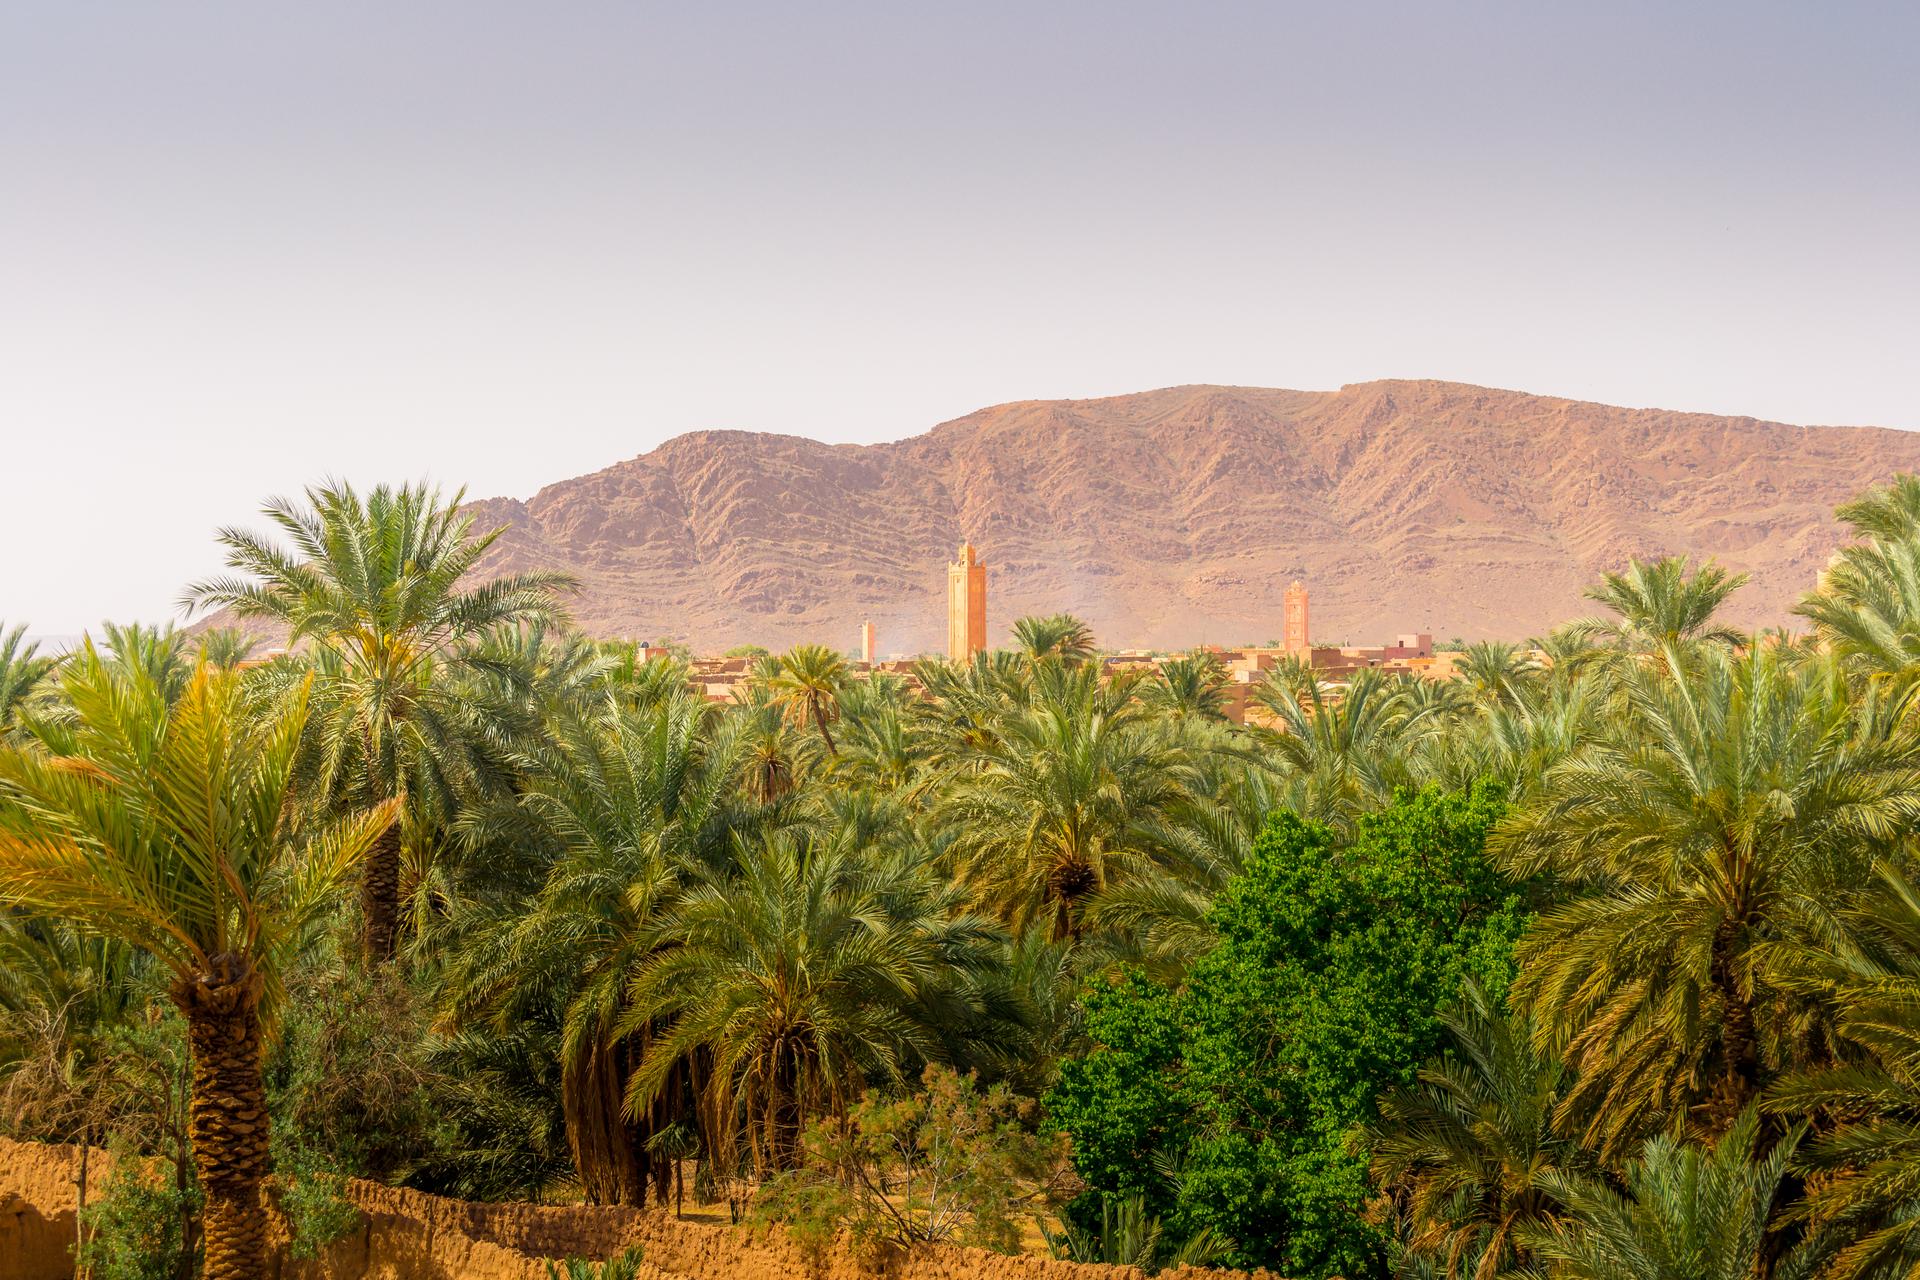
[{"x": 245, "y": 246}]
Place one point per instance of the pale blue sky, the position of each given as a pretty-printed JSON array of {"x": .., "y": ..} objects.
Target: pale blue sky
[{"x": 243, "y": 246}]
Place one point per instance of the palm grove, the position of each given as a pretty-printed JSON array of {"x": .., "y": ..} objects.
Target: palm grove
[{"x": 1599, "y": 964}]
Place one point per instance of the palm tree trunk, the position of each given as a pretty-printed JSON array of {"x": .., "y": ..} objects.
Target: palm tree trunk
[
  {"x": 820, "y": 721},
  {"x": 228, "y": 1114},
  {"x": 1739, "y": 1046},
  {"x": 610, "y": 1163},
  {"x": 380, "y": 895}
]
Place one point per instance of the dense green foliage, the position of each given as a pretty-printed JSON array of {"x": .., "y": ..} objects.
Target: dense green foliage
[
  {"x": 1334, "y": 963},
  {"x": 1600, "y": 958}
]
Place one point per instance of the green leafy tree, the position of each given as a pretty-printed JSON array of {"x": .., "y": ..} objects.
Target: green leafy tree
[
  {"x": 948, "y": 1163},
  {"x": 1334, "y": 964}
]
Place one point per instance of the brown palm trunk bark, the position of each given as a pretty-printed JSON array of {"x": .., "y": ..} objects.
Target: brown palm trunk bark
[
  {"x": 783, "y": 1115},
  {"x": 1739, "y": 1081},
  {"x": 228, "y": 1114},
  {"x": 380, "y": 895},
  {"x": 608, "y": 1152}
]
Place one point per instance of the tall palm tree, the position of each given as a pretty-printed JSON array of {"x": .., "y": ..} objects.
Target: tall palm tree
[
  {"x": 378, "y": 583},
  {"x": 1154, "y": 915},
  {"x": 641, "y": 802},
  {"x": 168, "y": 826},
  {"x": 1686, "y": 1213},
  {"x": 227, "y": 647},
  {"x": 159, "y": 653},
  {"x": 884, "y": 752},
  {"x": 1061, "y": 792},
  {"x": 1867, "y": 968},
  {"x": 965, "y": 703},
  {"x": 1464, "y": 1152},
  {"x": 1497, "y": 672},
  {"x": 1888, "y": 513},
  {"x": 1728, "y": 793},
  {"x": 1195, "y": 685},
  {"x": 1516, "y": 741},
  {"x": 798, "y": 976},
  {"x": 771, "y": 750},
  {"x": 1868, "y": 610},
  {"x": 807, "y": 688},
  {"x": 1061, "y": 636},
  {"x": 1345, "y": 745},
  {"x": 1664, "y": 608},
  {"x": 23, "y": 673}
]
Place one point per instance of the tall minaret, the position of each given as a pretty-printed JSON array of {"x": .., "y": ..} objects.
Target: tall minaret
[
  {"x": 1296, "y": 618},
  {"x": 966, "y": 605},
  {"x": 866, "y": 641}
]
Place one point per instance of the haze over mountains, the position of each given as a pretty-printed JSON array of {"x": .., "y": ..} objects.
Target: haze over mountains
[{"x": 1178, "y": 516}]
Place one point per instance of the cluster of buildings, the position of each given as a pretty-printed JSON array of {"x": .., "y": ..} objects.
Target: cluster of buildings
[{"x": 1245, "y": 668}]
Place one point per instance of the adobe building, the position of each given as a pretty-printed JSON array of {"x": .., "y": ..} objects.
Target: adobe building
[
  {"x": 966, "y": 605},
  {"x": 866, "y": 642},
  {"x": 1294, "y": 633}
]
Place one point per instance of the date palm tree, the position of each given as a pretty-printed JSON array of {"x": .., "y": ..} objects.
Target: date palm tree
[
  {"x": 1727, "y": 794},
  {"x": 1059, "y": 636},
  {"x": 381, "y": 584},
  {"x": 166, "y": 824},
  {"x": 1497, "y": 672},
  {"x": 1344, "y": 746},
  {"x": 1868, "y": 610},
  {"x": 159, "y": 653},
  {"x": 1194, "y": 685},
  {"x": 1058, "y": 795},
  {"x": 1686, "y": 1212},
  {"x": 1663, "y": 608},
  {"x": 1867, "y": 968},
  {"x": 641, "y": 802},
  {"x": 1887, "y": 513},
  {"x": 227, "y": 647},
  {"x": 807, "y": 969},
  {"x": 1154, "y": 914},
  {"x": 807, "y": 688},
  {"x": 23, "y": 674},
  {"x": 1463, "y": 1153}
]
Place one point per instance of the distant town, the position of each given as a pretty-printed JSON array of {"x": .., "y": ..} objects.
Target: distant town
[{"x": 720, "y": 678}]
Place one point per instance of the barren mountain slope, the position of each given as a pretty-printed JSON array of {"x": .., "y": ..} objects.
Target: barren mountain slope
[{"x": 1178, "y": 516}]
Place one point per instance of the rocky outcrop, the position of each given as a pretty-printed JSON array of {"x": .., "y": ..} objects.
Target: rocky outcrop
[
  {"x": 1178, "y": 516},
  {"x": 409, "y": 1235}
]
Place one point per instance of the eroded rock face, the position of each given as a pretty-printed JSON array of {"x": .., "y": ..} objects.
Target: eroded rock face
[
  {"x": 408, "y": 1235},
  {"x": 1178, "y": 516}
]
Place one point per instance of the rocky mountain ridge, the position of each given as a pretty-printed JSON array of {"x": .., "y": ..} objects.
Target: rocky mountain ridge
[{"x": 1178, "y": 516}]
